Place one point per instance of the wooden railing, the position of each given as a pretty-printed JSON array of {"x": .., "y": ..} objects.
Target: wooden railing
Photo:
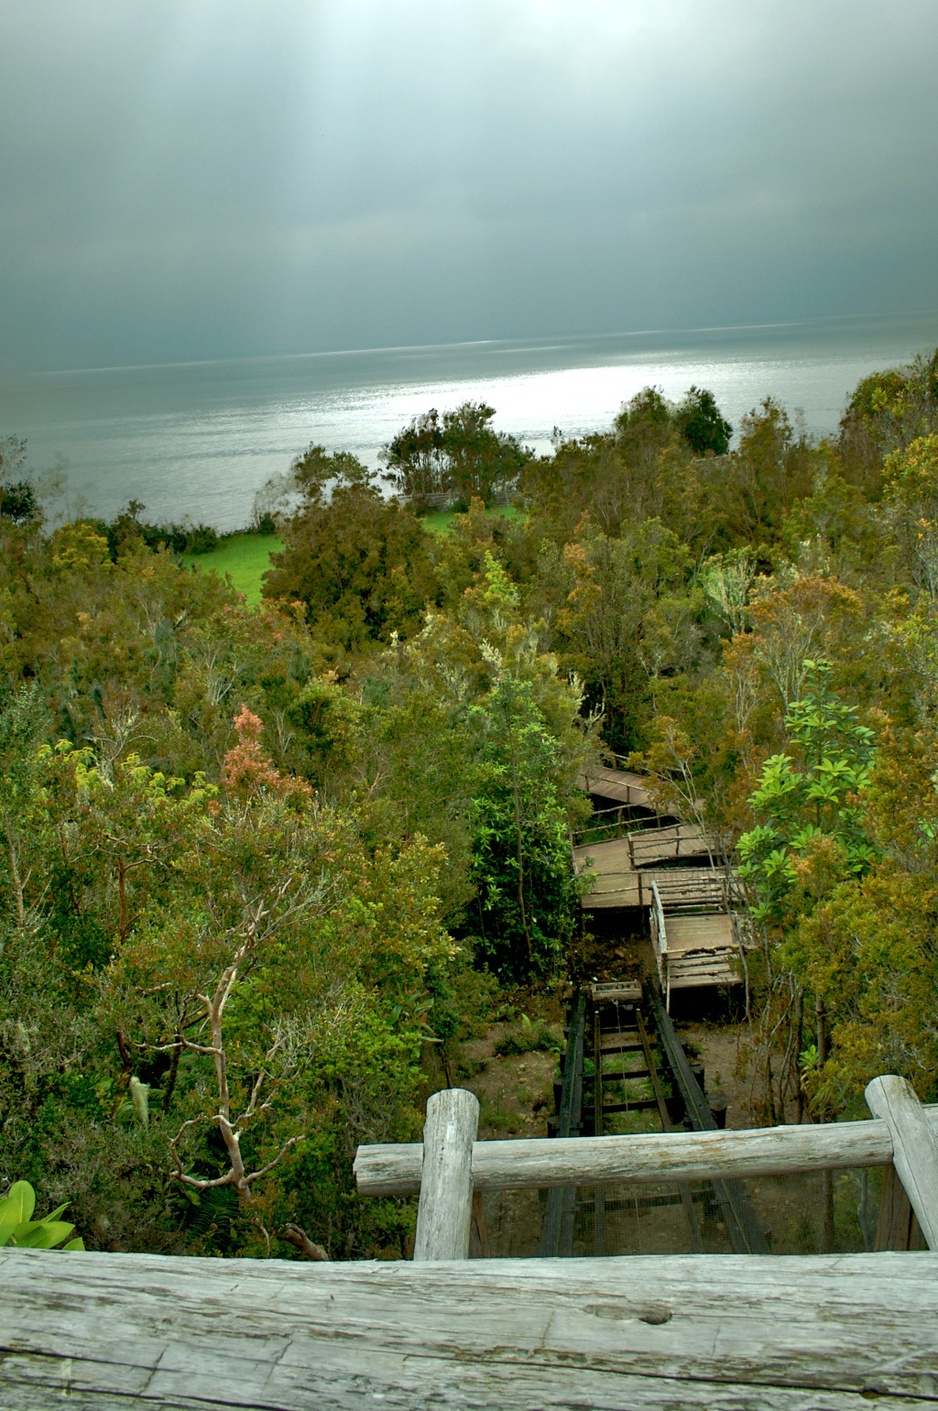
[{"x": 450, "y": 1165}]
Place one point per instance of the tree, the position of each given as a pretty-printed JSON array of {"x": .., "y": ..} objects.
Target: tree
[
  {"x": 18, "y": 499},
  {"x": 751, "y": 490},
  {"x": 624, "y": 616},
  {"x": 887, "y": 411},
  {"x": 910, "y": 491},
  {"x": 361, "y": 564},
  {"x": 808, "y": 795},
  {"x": 527, "y": 902},
  {"x": 809, "y": 838},
  {"x": 460, "y": 457},
  {"x": 702, "y": 425},
  {"x": 272, "y": 941},
  {"x": 416, "y": 461}
]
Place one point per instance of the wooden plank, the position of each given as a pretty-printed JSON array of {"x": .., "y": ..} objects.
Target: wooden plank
[
  {"x": 690, "y": 970},
  {"x": 915, "y": 1149},
  {"x": 699, "y": 933},
  {"x": 444, "y": 1215},
  {"x": 612, "y": 855},
  {"x": 644, "y": 1157},
  {"x": 619, "y": 785},
  {"x": 627, "y": 896},
  {"x": 615, "y": 882},
  {"x": 107, "y": 1331},
  {"x": 681, "y": 979},
  {"x": 692, "y": 888},
  {"x": 618, "y": 991}
]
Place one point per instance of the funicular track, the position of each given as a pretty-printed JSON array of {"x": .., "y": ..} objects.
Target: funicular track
[{"x": 624, "y": 1057}]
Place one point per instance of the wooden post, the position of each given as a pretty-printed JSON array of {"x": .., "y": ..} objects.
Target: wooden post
[
  {"x": 897, "y": 1227},
  {"x": 444, "y": 1214},
  {"x": 914, "y": 1148}
]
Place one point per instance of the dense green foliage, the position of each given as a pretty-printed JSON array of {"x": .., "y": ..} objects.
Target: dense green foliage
[
  {"x": 359, "y": 563},
  {"x": 260, "y": 864}
]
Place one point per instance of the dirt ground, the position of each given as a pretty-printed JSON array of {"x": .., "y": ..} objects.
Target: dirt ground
[{"x": 515, "y": 1090}]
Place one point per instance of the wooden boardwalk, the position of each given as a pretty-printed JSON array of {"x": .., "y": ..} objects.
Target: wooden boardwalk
[
  {"x": 617, "y": 786},
  {"x": 696, "y": 950},
  {"x": 650, "y": 847},
  {"x": 616, "y": 882},
  {"x": 102, "y": 1332},
  {"x": 693, "y": 945},
  {"x": 669, "y": 869}
]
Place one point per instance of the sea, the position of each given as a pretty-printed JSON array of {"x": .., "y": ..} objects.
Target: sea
[{"x": 196, "y": 441}]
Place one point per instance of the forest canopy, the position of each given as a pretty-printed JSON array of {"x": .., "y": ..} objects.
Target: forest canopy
[{"x": 263, "y": 868}]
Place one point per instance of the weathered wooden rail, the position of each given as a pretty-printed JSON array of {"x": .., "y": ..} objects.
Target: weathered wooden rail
[
  {"x": 123, "y": 1332},
  {"x": 903, "y": 1133}
]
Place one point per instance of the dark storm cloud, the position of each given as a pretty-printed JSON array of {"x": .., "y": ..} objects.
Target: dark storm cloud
[{"x": 202, "y": 178}]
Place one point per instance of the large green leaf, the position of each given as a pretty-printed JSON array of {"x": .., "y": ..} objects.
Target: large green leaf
[
  {"x": 42, "y": 1234},
  {"x": 18, "y": 1228},
  {"x": 16, "y": 1208}
]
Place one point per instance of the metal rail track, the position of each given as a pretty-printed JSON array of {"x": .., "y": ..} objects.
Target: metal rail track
[{"x": 623, "y": 1034}]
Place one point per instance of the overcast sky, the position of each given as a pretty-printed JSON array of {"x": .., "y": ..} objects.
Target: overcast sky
[{"x": 220, "y": 178}]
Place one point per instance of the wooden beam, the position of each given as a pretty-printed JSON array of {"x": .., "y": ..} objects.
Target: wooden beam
[
  {"x": 914, "y": 1147},
  {"x": 444, "y": 1215},
  {"x": 896, "y": 1226},
  {"x": 643, "y": 1157},
  {"x": 97, "y": 1332},
  {"x": 675, "y": 1156}
]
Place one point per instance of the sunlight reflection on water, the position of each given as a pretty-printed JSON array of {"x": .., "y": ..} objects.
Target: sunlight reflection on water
[{"x": 199, "y": 439}]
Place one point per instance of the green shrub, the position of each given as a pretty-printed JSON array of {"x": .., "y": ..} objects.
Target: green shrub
[{"x": 531, "y": 1037}]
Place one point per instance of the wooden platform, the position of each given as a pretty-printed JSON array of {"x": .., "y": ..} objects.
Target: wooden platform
[
  {"x": 98, "y": 1332},
  {"x": 693, "y": 948},
  {"x": 618, "y": 786},
  {"x": 646, "y": 848},
  {"x": 701, "y": 950},
  {"x": 617, "y": 883}
]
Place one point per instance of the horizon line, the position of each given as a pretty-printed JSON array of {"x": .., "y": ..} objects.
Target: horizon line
[{"x": 482, "y": 343}]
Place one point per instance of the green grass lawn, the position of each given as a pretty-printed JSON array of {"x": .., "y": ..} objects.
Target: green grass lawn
[
  {"x": 438, "y": 521},
  {"x": 245, "y": 557}
]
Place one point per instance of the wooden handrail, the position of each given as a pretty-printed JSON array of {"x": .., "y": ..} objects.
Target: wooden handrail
[
  {"x": 644, "y": 1157},
  {"x": 914, "y": 1147}
]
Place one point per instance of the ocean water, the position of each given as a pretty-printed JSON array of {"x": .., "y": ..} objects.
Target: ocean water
[{"x": 198, "y": 440}]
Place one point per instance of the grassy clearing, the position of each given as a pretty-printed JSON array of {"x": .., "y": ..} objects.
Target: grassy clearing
[
  {"x": 438, "y": 521},
  {"x": 245, "y": 557}
]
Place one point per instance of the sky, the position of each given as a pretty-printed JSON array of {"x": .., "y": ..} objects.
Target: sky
[{"x": 189, "y": 179}]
